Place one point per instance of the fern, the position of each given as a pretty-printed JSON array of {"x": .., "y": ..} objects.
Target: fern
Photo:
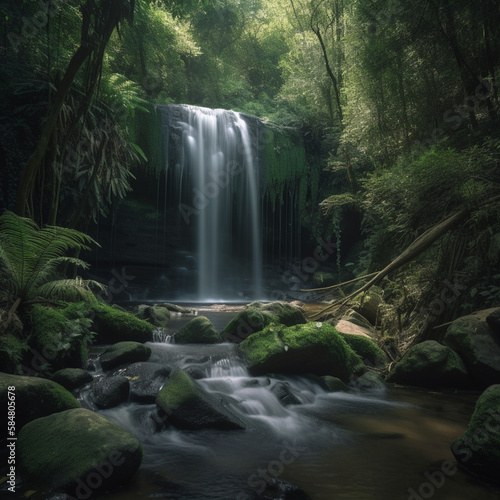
[{"x": 31, "y": 259}]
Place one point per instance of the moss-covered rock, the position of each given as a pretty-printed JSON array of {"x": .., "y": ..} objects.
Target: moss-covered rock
[
  {"x": 110, "y": 391},
  {"x": 366, "y": 349},
  {"x": 478, "y": 449},
  {"x": 311, "y": 348},
  {"x": 12, "y": 351},
  {"x": 333, "y": 384},
  {"x": 146, "y": 380},
  {"x": 77, "y": 452},
  {"x": 471, "y": 337},
  {"x": 113, "y": 325},
  {"x": 257, "y": 316},
  {"x": 72, "y": 378},
  {"x": 122, "y": 353},
  {"x": 369, "y": 304},
  {"x": 187, "y": 406},
  {"x": 430, "y": 364},
  {"x": 198, "y": 331},
  {"x": 287, "y": 314},
  {"x": 369, "y": 381},
  {"x": 35, "y": 397},
  {"x": 157, "y": 314},
  {"x": 493, "y": 320}
]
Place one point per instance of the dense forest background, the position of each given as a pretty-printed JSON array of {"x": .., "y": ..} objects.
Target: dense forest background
[{"x": 396, "y": 100}]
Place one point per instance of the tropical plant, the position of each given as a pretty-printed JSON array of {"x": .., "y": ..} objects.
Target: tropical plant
[{"x": 31, "y": 260}]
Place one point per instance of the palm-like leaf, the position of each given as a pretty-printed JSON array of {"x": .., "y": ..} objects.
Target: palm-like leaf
[{"x": 30, "y": 258}]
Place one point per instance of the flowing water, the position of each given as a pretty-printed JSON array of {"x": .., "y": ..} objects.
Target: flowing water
[{"x": 359, "y": 446}]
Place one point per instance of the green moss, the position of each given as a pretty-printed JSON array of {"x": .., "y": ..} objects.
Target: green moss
[
  {"x": 113, "y": 325},
  {"x": 178, "y": 389},
  {"x": 366, "y": 348},
  {"x": 35, "y": 397},
  {"x": 310, "y": 348},
  {"x": 57, "y": 450},
  {"x": 12, "y": 350},
  {"x": 246, "y": 323},
  {"x": 124, "y": 352},
  {"x": 198, "y": 331}
]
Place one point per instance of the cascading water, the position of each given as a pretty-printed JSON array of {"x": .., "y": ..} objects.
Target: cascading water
[{"x": 211, "y": 165}]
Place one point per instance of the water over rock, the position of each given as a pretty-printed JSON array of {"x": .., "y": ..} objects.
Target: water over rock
[
  {"x": 284, "y": 393},
  {"x": 478, "y": 449},
  {"x": 430, "y": 364},
  {"x": 198, "y": 331},
  {"x": 187, "y": 406},
  {"x": 311, "y": 348},
  {"x": 472, "y": 338},
  {"x": 124, "y": 352},
  {"x": 77, "y": 452},
  {"x": 35, "y": 397}
]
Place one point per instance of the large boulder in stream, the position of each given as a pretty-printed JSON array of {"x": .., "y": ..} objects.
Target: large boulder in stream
[
  {"x": 146, "y": 380},
  {"x": 311, "y": 348},
  {"x": 430, "y": 364},
  {"x": 197, "y": 331},
  {"x": 114, "y": 325},
  {"x": 72, "y": 378},
  {"x": 34, "y": 397},
  {"x": 124, "y": 352},
  {"x": 110, "y": 391},
  {"x": 478, "y": 345},
  {"x": 478, "y": 449},
  {"x": 77, "y": 452},
  {"x": 156, "y": 314},
  {"x": 187, "y": 406},
  {"x": 257, "y": 316}
]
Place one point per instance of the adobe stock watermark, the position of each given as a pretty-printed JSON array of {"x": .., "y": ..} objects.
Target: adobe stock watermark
[
  {"x": 449, "y": 294},
  {"x": 218, "y": 180},
  {"x": 94, "y": 479},
  {"x": 33, "y": 25},
  {"x": 297, "y": 275},
  {"x": 463, "y": 452},
  {"x": 259, "y": 480}
]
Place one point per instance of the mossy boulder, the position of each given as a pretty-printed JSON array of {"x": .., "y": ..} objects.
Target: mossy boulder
[
  {"x": 369, "y": 305},
  {"x": 493, "y": 320},
  {"x": 310, "y": 348},
  {"x": 110, "y": 391},
  {"x": 367, "y": 349},
  {"x": 333, "y": 384},
  {"x": 157, "y": 315},
  {"x": 369, "y": 381},
  {"x": 113, "y": 325},
  {"x": 257, "y": 316},
  {"x": 472, "y": 338},
  {"x": 430, "y": 364},
  {"x": 77, "y": 452},
  {"x": 287, "y": 314},
  {"x": 72, "y": 378},
  {"x": 122, "y": 353},
  {"x": 146, "y": 380},
  {"x": 478, "y": 449},
  {"x": 198, "y": 331},
  {"x": 35, "y": 397},
  {"x": 187, "y": 406}
]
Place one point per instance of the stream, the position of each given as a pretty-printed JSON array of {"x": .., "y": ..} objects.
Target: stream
[{"x": 359, "y": 446}]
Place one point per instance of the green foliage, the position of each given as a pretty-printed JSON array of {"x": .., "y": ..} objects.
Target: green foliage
[
  {"x": 12, "y": 350},
  {"x": 61, "y": 334},
  {"x": 31, "y": 258}
]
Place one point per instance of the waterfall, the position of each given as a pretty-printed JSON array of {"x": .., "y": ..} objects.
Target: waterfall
[{"x": 212, "y": 165}]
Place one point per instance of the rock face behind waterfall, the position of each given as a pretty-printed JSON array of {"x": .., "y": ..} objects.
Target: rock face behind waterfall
[
  {"x": 187, "y": 406},
  {"x": 311, "y": 348}
]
